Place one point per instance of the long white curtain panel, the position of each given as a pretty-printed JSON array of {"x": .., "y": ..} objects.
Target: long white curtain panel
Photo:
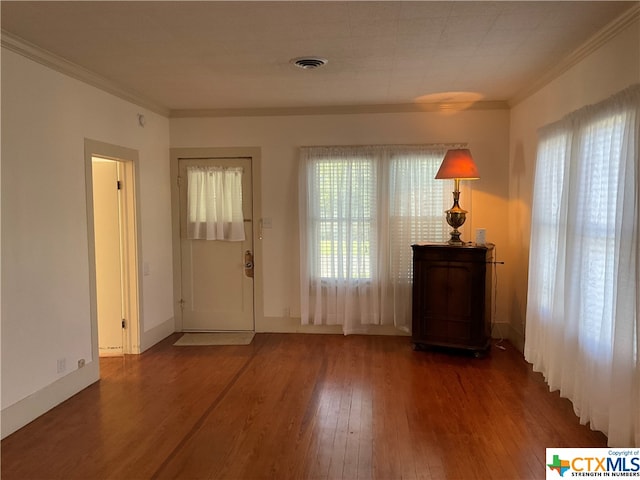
[{"x": 582, "y": 324}]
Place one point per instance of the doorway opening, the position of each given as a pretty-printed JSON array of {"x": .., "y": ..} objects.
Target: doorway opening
[{"x": 114, "y": 249}]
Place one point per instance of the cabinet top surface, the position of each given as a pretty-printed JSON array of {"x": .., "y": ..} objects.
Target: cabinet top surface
[{"x": 466, "y": 246}]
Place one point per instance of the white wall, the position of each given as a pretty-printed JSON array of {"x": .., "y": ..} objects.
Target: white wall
[
  {"x": 609, "y": 69},
  {"x": 279, "y": 137},
  {"x": 46, "y": 117}
]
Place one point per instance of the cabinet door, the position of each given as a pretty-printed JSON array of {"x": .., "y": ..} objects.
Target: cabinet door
[
  {"x": 449, "y": 302},
  {"x": 436, "y": 301}
]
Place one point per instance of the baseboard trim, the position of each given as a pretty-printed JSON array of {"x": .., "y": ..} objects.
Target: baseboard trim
[
  {"x": 505, "y": 331},
  {"x": 294, "y": 325},
  {"x": 158, "y": 333},
  {"x": 16, "y": 416},
  {"x": 516, "y": 337},
  {"x": 500, "y": 331}
]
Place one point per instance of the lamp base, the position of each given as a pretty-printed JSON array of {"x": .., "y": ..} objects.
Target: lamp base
[
  {"x": 456, "y": 217},
  {"x": 455, "y": 238}
]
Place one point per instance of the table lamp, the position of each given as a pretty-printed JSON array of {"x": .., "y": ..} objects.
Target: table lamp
[{"x": 459, "y": 165}]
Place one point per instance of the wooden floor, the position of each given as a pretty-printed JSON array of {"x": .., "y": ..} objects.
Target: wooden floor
[{"x": 293, "y": 406}]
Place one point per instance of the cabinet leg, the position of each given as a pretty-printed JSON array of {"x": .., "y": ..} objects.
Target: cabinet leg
[{"x": 480, "y": 353}]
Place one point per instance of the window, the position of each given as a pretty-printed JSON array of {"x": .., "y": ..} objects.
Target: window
[
  {"x": 600, "y": 147},
  {"x": 214, "y": 203},
  {"x": 417, "y": 203},
  {"x": 346, "y": 217},
  {"x": 361, "y": 209},
  {"x": 546, "y": 215}
]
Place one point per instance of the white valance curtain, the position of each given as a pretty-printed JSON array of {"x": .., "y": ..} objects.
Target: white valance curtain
[
  {"x": 214, "y": 203},
  {"x": 582, "y": 325},
  {"x": 361, "y": 209}
]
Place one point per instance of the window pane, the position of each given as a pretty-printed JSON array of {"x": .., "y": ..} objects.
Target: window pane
[
  {"x": 551, "y": 162},
  {"x": 596, "y": 204},
  {"x": 345, "y": 216},
  {"x": 417, "y": 202}
]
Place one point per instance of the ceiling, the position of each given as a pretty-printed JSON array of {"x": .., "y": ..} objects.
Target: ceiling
[{"x": 219, "y": 55}]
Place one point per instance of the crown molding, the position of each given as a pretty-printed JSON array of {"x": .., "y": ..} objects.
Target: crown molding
[
  {"x": 48, "y": 59},
  {"x": 450, "y": 107},
  {"x": 37, "y": 54},
  {"x": 33, "y": 52},
  {"x": 605, "y": 34}
]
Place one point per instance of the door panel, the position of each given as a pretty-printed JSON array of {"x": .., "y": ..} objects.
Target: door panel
[
  {"x": 216, "y": 293},
  {"x": 107, "y": 250}
]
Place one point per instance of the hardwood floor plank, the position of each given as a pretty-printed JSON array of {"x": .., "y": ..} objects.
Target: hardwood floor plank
[{"x": 293, "y": 406}]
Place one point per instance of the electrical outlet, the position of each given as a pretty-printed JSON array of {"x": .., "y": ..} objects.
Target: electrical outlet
[
  {"x": 81, "y": 363},
  {"x": 62, "y": 365}
]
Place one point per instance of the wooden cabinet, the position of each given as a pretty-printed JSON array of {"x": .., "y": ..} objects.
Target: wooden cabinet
[{"x": 452, "y": 296}]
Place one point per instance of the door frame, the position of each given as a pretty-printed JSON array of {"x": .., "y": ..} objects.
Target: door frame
[
  {"x": 132, "y": 291},
  {"x": 253, "y": 153}
]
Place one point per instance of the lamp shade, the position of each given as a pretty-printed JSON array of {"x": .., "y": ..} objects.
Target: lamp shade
[{"x": 458, "y": 163}]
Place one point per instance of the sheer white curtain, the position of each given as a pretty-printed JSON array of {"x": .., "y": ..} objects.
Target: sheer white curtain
[
  {"x": 582, "y": 329},
  {"x": 417, "y": 202},
  {"x": 361, "y": 209},
  {"x": 214, "y": 203}
]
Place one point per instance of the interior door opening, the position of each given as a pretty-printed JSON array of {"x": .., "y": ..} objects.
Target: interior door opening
[{"x": 115, "y": 253}]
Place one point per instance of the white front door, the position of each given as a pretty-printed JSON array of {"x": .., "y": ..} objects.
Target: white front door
[{"x": 217, "y": 286}]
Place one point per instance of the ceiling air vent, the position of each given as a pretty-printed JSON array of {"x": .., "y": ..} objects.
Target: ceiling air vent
[{"x": 309, "y": 62}]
